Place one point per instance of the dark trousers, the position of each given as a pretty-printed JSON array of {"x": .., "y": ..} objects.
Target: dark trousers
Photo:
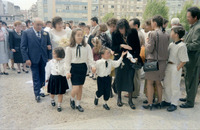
[
  {"x": 104, "y": 87},
  {"x": 38, "y": 76},
  {"x": 191, "y": 83}
]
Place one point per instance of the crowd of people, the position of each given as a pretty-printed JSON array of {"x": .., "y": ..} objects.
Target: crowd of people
[{"x": 117, "y": 54}]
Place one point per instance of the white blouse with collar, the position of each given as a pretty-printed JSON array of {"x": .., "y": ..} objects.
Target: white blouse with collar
[
  {"x": 86, "y": 56},
  {"x": 102, "y": 70},
  {"x": 55, "y": 67}
]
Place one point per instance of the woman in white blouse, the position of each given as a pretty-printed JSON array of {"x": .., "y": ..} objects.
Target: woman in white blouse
[
  {"x": 77, "y": 55},
  {"x": 58, "y": 33}
]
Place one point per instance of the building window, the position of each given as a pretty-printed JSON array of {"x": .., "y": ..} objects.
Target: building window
[{"x": 112, "y": 6}]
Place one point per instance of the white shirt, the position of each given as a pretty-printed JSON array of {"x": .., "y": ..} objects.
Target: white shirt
[
  {"x": 55, "y": 67},
  {"x": 36, "y": 33},
  {"x": 178, "y": 53},
  {"x": 86, "y": 38},
  {"x": 102, "y": 70},
  {"x": 47, "y": 29},
  {"x": 86, "y": 56}
]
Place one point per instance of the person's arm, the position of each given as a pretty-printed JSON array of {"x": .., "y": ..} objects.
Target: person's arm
[
  {"x": 149, "y": 46},
  {"x": 49, "y": 47},
  {"x": 195, "y": 44},
  {"x": 115, "y": 43},
  {"x": 117, "y": 63},
  {"x": 12, "y": 45},
  {"x": 48, "y": 70},
  {"x": 68, "y": 59},
  {"x": 90, "y": 56},
  {"x": 135, "y": 44},
  {"x": 183, "y": 57},
  {"x": 24, "y": 46}
]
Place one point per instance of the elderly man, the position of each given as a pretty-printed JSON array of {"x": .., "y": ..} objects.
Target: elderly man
[
  {"x": 174, "y": 22},
  {"x": 36, "y": 50},
  {"x": 192, "y": 41}
]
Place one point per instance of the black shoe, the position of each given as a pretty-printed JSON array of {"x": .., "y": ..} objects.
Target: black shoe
[
  {"x": 145, "y": 102},
  {"x": 80, "y": 109},
  {"x": 106, "y": 107},
  {"x": 132, "y": 106},
  {"x": 72, "y": 104},
  {"x": 158, "y": 105},
  {"x": 13, "y": 68},
  {"x": 53, "y": 103},
  {"x": 150, "y": 106},
  {"x": 171, "y": 108},
  {"x": 119, "y": 102},
  {"x": 165, "y": 104},
  {"x": 42, "y": 94},
  {"x": 18, "y": 71},
  {"x": 185, "y": 106},
  {"x": 37, "y": 99},
  {"x": 183, "y": 99},
  {"x": 96, "y": 101},
  {"x": 5, "y": 73},
  {"x": 94, "y": 78},
  {"x": 59, "y": 109},
  {"x": 1, "y": 73}
]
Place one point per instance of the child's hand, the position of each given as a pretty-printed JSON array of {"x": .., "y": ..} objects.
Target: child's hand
[
  {"x": 178, "y": 68},
  {"x": 68, "y": 75},
  {"x": 124, "y": 53},
  {"x": 94, "y": 70},
  {"x": 49, "y": 47}
]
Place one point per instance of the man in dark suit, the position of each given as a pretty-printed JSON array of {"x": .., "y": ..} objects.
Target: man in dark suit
[{"x": 36, "y": 50}]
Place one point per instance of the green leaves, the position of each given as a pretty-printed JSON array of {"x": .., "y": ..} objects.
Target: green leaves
[
  {"x": 107, "y": 17},
  {"x": 155, "y": 7}
]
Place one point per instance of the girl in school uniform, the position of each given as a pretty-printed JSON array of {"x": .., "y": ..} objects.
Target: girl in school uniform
[
  {"x": 55, "y": 76},
  {"x": 78, "y": 54}
]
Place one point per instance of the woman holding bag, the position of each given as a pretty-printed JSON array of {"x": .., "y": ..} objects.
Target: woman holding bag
[
  {"x": 156, "y": 50},
  {"x": 123, "y": 39}
]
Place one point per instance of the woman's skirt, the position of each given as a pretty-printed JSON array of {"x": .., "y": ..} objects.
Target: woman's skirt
[
  {"x": 4, "y": 57},
  {"x": 57, "y": 84},
  {"x": 157, "y": 75},
  {"x": 78, "y": 73},
  {"x": 124, "y": 76}
]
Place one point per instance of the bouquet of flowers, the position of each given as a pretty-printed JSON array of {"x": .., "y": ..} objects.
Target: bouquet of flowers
[{"x": 64, "y": 42}]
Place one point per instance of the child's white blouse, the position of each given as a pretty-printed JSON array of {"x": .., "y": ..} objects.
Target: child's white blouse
[
  {"x": 55, "y": 67},
  {"x": 85, "y": 56},
  {"x": 102, "y": 70}
]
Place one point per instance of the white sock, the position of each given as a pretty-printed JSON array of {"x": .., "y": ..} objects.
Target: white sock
[
  {"x": 72, "y": 99},
  {"x": 105, "y": 102},
  {"x": 59, "y": 104},
  {"x": 52, "y": 99},
  {"x": 78, "y": 102}
]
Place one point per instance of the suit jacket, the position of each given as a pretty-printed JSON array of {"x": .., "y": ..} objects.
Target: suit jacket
[
  {"x": 192, "y": 41},
  {"x": 32, "y": 49},
  {"x": 132, "y": 40}
]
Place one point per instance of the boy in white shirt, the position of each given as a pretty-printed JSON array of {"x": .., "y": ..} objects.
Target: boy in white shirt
[
  {"x": 103, "y": 69},
  {"x": 177, "y": 59}
]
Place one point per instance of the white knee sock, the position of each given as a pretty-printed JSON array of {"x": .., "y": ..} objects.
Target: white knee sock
[
  {"x": 59, "y": 104},
  {"x": 78, "y": 102},
  {"x": 72, "y": 99}
]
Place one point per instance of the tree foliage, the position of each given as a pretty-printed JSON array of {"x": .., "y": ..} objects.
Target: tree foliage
[
  {"x": 107, "y": 17},
  {"x": 156, "y": 7}
]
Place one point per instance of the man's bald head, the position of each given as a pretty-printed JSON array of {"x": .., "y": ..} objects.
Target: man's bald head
[{"x": 37, "y": 24}]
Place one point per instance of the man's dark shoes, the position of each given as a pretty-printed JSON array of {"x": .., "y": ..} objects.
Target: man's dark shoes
[
  {"x": 171, "y": 108},
  {"x": 106, "y": 107},
  {"x": 185, "y": 106},
  {"x": 96, "y": 101},
  {"x": 165, "y": 104},
  {"x": 37, "y": 99},
  {"x": 183, "y": 99}
]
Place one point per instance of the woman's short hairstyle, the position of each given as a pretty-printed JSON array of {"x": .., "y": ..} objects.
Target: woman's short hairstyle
[
  {"x": 56, "y": 20},
  {"x": 112, "y": 21},
  {"x": 17, "y": 23}
]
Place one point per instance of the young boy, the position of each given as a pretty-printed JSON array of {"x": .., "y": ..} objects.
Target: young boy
[
  {"x": 103, "y": 69},
  {"x": 177, "y": 58}
]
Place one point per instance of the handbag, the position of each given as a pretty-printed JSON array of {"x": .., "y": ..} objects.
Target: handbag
[
  {"x": 137, "y": 65},
  {"x": 152, "y": 66}
]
